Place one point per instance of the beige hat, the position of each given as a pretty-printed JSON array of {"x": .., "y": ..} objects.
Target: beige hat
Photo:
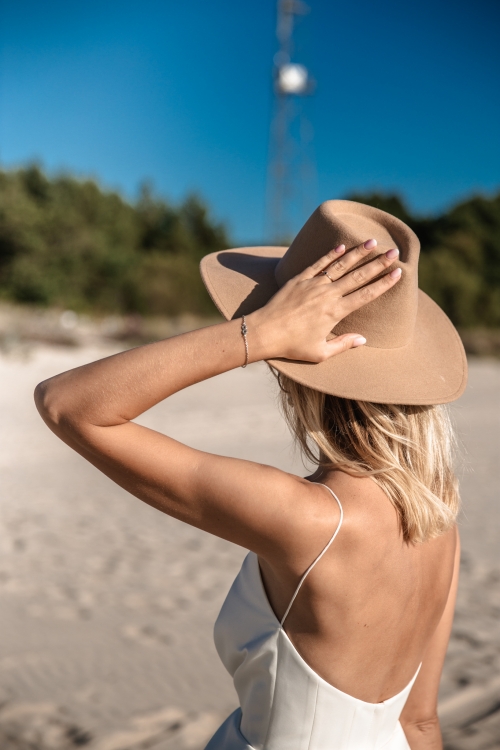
[{"x": 413, "y": 353}]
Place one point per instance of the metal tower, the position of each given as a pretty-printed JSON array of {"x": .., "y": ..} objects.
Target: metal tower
[{"x": 291, "y": 173}]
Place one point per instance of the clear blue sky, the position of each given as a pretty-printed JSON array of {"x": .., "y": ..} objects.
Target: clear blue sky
[{"x": 179, "y": 93}]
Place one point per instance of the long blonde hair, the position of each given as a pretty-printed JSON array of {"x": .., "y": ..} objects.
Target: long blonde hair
[{"x": 406, "y": 450}]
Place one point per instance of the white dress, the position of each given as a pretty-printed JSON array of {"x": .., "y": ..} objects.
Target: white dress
[{"x": 284, "y": 704}]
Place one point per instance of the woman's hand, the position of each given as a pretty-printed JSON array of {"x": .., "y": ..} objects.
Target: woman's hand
[
  {"x": 424, "y": 735},
  {"x": 297, "y": 321}
]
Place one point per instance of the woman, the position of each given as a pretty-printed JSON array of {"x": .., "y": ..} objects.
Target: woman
[{"x": 334, "y": 646}]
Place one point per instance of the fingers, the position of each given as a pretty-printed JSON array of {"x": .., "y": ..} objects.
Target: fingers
[
  {"x": 364, "y": 274},
  {"x": 322, "y": 263},
  {"x": 337, "y": 262},
  {"x": 357, "y": 299},
  {"x": 342, "y": 343},
  {"x": 344, "y": 264}
]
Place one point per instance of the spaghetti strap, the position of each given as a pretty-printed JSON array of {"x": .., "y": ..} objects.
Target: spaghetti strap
[{"x": 311, "y": 566}]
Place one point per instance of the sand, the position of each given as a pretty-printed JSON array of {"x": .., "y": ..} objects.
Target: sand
[{"x": 108, "y": 606}]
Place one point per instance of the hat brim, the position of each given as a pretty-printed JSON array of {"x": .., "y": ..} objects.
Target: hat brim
[{"x": 430, "y": 369}]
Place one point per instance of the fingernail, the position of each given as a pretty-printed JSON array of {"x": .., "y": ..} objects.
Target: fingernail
[
  {"x": 340, "y": 249},
  {"x": 359, "y": 341},
  {"x": 370, "y": 243},
  {"x": 392, "y": 253},
  {"x": 395, "y": 274}
]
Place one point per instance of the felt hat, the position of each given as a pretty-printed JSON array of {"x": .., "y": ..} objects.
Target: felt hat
[{"x": 413, "y": 353}]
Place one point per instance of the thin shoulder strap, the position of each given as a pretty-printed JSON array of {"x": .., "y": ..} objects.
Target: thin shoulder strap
[{"x": 311, "y": 566}]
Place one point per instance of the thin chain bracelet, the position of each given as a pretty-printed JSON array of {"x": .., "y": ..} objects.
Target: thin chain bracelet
[{"x": 244, "y": 331}]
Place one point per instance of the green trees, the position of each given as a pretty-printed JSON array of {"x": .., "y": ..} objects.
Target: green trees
[{"x": 66, "y": 242}]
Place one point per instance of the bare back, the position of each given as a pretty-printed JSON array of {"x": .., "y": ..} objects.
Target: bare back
[{"x": 367, "y": 612}]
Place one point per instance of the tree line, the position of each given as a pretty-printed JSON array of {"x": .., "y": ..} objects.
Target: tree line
[{"x": 66, "y": 242}]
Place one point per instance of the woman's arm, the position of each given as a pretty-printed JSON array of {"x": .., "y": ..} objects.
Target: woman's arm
[
  {"x": 92, "y": 407},
  {"x": 419, "y": 717}
]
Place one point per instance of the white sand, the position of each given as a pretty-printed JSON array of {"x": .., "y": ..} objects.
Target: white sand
[{"x": 108, "y": 605}]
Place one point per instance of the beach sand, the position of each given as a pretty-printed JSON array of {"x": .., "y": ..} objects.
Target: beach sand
[{"x": 108, "y": 605}]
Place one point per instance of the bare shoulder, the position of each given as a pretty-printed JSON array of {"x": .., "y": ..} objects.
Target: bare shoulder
[
  {"x": 371, "y": 530},
  {"x": 311, "y": 516},
  {"x": 369, "y": 513},
  {"x": 367, "y": 509},
  {"x": 307, "y": 516}
]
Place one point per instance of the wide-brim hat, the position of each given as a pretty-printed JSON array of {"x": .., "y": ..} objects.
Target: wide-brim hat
[{"x": 413, "y": 353}]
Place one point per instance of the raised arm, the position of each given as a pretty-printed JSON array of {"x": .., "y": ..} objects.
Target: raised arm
[
  {"x": 419, "y": 718},
  {"x": 92, "y": 407}
]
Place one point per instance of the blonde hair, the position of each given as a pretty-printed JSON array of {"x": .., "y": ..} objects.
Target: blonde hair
[{"x": 406, "y": 450}]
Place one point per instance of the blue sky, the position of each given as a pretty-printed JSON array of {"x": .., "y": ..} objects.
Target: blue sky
[{"x": 180, "y": 94}]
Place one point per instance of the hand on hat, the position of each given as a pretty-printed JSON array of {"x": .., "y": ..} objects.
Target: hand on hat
[{"x": 297, "y": 322}]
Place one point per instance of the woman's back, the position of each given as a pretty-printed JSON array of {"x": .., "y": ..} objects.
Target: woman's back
[
  {"x": 358, "y": 621},
  {"x": 365, "y": 613}
]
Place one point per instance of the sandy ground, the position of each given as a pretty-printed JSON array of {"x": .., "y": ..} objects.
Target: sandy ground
[{"x": 108, "y": 606}]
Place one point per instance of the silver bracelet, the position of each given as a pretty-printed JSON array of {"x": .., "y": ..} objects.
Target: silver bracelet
[{"x": 244, "y": 331}]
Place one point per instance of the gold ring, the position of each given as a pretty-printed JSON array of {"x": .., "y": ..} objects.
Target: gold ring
[{"x": 325, "y": 273}]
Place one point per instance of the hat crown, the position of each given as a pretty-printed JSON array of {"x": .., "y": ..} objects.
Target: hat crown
[{"x": 388, "y": 321}]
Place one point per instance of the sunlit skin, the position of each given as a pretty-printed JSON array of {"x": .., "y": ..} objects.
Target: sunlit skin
[{"x": 375, "y": 607}]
